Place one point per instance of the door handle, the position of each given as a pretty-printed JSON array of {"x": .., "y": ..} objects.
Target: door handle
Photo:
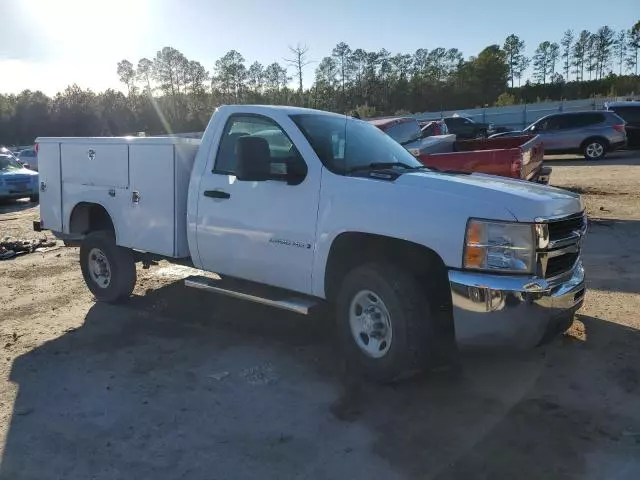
[{"x": 216, "y": 194}]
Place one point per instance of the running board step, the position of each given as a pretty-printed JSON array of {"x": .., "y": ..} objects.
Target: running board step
[{"x": 253, "y": 292}]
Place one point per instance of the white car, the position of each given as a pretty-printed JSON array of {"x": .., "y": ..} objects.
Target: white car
[
  {"x": 29, "y": 158},
  {"x": 416, "y": 262}
]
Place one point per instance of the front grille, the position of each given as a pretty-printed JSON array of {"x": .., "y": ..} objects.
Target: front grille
[
  {"x": 17, "y": 179},
  {"x": 560, "y": 264},
  {"x": 561, "y": 229},
  {"x": 563, "y": 249}
]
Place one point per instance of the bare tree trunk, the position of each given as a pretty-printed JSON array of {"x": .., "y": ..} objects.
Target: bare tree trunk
[{"x": 299, "y": 61}]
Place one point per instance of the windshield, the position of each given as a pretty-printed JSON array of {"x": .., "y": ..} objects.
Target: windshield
[
  {"x": 405, "y": 132},
  {"x": 345, "y": 144},
  {"x": 8, "y": 163}
]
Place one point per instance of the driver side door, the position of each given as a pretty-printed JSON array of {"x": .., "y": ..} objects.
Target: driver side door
[{"x": 263, "y": 231}]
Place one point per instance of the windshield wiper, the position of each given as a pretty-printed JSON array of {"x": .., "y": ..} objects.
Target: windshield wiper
[{"x": 384, "y": 166}]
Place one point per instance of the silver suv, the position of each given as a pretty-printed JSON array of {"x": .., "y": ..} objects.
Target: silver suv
[{"x": 592, "y": 133}]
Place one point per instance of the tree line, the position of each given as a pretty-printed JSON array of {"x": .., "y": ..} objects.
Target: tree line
[{"x": 171, "y": 93}]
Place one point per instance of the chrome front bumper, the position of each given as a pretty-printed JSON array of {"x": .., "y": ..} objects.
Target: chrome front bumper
[{"x": 516, "y": 311}]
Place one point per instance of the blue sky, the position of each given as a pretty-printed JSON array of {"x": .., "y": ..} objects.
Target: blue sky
[{"x": 49, "y": 44}]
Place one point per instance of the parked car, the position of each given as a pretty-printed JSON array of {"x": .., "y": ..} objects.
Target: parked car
[
  {"x": 430, "y": 128},
  {"x": 29, "y": 158},
  {"x": 414, "y": 262},
  {"x": 630, "y": 113},
  {"x": 515, "y": 157},
  {"x": 407, "y": 132},
  {"x": 15, "y": 180},
  {"x": 7, "y": 151},
  {"x": 463, "y": 127},
  {"x": 592, "y": 133}
]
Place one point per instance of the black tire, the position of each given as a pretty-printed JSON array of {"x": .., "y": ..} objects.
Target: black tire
[
  {"x": 410, "y": 318},
  {"x": 594, "y": 149},
  {"x": 34, "y": 198},
  {"x": 122, "y": 267}
]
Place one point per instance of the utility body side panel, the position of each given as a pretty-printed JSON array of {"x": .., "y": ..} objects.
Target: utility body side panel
[
  {"x": 51, "y": 214},
  {"x": 141, "y": 182}
]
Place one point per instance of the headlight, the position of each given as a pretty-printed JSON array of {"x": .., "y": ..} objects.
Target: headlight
[{"x": 499, "y": 246}]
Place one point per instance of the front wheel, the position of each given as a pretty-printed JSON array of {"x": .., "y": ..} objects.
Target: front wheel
[
  {"x": 384, "y": 322},
  {"x": 108, "y": 270},
  {"x": 594, "y": 150}
]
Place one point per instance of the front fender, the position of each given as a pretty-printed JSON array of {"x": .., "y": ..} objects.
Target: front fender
[{"x": 435, "y": 219}]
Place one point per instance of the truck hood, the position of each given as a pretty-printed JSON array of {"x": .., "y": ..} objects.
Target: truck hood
[{"x": 526, "y": 201}]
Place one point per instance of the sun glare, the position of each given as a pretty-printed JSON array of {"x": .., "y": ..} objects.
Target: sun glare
[{"x": 85, "y": 27}]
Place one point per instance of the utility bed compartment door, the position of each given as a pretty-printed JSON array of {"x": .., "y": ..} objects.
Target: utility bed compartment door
[
  {"x": 149, "y": 212},
  {"x": 96, "y": 164},
  {"x": 49, "y": 184}
]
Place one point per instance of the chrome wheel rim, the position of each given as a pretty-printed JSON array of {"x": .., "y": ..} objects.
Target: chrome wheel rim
[
  {"x": 99, "y": 268},
  {"x": 370, "y": 324},
  {"x": 595, "y": 150}
]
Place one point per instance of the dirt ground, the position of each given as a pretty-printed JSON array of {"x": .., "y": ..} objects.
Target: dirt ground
[{"x": 178, "y": 383}]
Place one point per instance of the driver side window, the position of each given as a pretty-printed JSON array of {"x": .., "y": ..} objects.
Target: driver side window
[
  {"x": 284, "y": 157},
  {"x": 545, "y": 125}
]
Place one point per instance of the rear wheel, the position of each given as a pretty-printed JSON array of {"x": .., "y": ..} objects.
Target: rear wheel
[
  {"x": 108, "y": 270},
  {"x": 594, "y": 149},
  {"x": 384, "y": 322}
]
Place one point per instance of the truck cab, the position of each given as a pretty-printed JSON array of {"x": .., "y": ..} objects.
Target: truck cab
[{"x": 297, "y": 208}]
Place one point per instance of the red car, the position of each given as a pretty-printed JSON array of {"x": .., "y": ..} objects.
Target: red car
[{"x": 515, "y": 157}]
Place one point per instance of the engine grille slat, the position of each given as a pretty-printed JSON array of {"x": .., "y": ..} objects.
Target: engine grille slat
[
  {"x": 561, "y": 264},
  {"x": 565, "y": 232},
  {"x": 17, "y": 179},
  {"x": 561, "y": 229}
]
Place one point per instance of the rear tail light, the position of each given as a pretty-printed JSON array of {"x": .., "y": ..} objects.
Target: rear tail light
[
  {"x": 620, "y": 128},
  {"x": 516, "y": 168}
]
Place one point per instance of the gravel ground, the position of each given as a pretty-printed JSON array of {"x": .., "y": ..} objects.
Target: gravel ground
[{"x": 178, "y": 383}]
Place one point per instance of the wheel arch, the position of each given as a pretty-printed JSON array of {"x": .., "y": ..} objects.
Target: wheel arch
[
  {"x": 87, "y": 217},
  {"x": 350, "y": 249},
  {"x": 592, "y": 138}
]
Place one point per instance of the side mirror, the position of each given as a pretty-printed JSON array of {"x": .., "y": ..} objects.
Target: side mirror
[
  {"x": 253, "y": 159},
  {"x": 296, "y": 177}
]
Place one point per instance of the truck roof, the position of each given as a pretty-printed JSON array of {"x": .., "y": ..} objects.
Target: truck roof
[{"x": 289, "y": 110}]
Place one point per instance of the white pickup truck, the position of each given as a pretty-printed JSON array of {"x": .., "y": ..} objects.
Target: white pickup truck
[{"x": 294, "y": 208}]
